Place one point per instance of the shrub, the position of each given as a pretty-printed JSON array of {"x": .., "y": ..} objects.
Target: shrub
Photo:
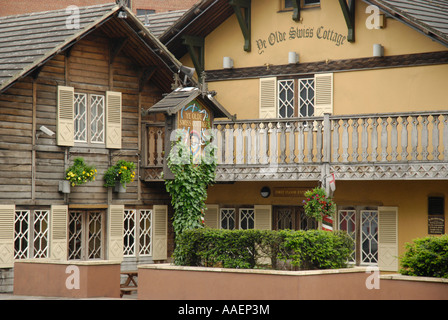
[
  {"x": 262, "y": 248},
  {"x": 426, "y": 257},
  {"x": 317, "y": 249}
]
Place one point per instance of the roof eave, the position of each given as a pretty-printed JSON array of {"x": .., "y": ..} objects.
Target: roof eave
[
  {"x": 58, "y": 49},
  {"x": 407, "y": 20}
]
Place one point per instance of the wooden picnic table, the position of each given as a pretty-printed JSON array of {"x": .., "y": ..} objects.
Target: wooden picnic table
[{"x": 130, "y": 285}]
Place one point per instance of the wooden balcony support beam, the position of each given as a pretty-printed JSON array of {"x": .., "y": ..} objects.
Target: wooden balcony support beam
[
  {"x": 196, "y": 49},
  {"x": 296, "y": 10},
  {"x": 242, "y": 10},
  {"x": 348, "y": 9}
]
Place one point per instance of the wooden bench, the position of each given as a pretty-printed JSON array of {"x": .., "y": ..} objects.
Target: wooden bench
[{"x": 130, "y": 285}]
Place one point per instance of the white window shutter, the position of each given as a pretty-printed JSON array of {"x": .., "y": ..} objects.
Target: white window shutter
[
  {"x": 115, "y": 232},
  {"x": 388, "y": 238},
  {"x": 263, "y": 217},
  {"x": 65, "y": 121},
  {"x": 7, "y": 213},
  {"x": 58, "y": 232},
  {"x": 113, "y": 120},
  {"x": 211, "y": 216},
  {"x": 268, "y": 98},
  {"x": 160, "y": 232},
  {"x": 323, "y": 96}
]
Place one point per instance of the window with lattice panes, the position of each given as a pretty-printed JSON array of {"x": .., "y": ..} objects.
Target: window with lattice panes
[
  {"x": 89, "y": 118},
  {"x": 228, "y": 218},
  {"x": 247, "y": 218},
  {"x": 296, "y": 97},
  {"x": 137, "y": 232},
  {"x": 362, "y": 225},
  {"x": 86, "y": 234},
  {"x": 31, "y": 234}
]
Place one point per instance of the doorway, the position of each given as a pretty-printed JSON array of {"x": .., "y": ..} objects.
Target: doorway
[
  {"x": 86, "y": 230},
  {"x": 291, "y": 217}
]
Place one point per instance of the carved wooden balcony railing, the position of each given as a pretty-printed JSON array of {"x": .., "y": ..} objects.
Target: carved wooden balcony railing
[{"x": 371, "y": 146}]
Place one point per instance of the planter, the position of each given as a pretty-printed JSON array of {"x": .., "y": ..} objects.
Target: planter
[
  {"x": 169, "y": 282},
  {"x": 67, "y": 279},
  {"x": 64, "y": 186},
  {"x": 119, "y": 187}
]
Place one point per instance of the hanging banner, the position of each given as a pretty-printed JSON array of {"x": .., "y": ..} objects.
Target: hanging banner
[{"x": 327, "y": 223}]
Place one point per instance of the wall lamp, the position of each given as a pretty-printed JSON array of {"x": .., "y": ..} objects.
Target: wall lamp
[
  {"x": 293, "y": 57},
  {"x": 227, "y": 63},
  {"x": 378, "y": 50}
]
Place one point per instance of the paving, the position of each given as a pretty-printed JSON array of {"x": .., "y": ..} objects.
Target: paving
[{"x": 10, "y": 296}]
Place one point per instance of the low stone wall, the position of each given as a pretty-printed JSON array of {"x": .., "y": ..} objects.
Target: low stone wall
[
  {"x": 70, "y": 279},
  {"x": 168, "y": 282}
]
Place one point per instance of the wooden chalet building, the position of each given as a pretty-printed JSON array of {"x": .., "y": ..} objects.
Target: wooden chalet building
[
  {"x": 315, "y": 92},
  {"x": 74, "y": 84},
  {"x": 351, "y": 92}
]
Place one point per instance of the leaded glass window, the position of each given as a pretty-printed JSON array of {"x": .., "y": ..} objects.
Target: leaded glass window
[
  {"x": 286, "y": 98},
  {"x": 41, "y": 218},
  {"x": 306, "y": 97},
  {"x": 21, "y": 234},
  {"x": 296, "y": 97},
  {"x": 247, "y": 218},
  {"x": 86, "y": 235},
  {"x": 80, "y": 106},
  {"x": 145, "y": 232},
  {"x": 137, "y": 225},
  {"x": 369, "y": 237},
  {"x": 227, "y": 218},
  {"x": 89, "y": 118},
  {"x": 97, "y": 118},
  {"x": 347, "y": 223},
  {"x": 31, "y": 231}
]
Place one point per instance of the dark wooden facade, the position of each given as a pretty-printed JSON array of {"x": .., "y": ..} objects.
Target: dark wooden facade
[
  {"x": 32, "y": 166},
  {"x": 111, "y": 57}
]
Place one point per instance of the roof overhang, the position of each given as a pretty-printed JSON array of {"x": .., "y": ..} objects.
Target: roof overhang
[
  {"x": 405, "y": 15},
  {"x": 173, "y": 102},
  {"x": 131, "y": 26}
]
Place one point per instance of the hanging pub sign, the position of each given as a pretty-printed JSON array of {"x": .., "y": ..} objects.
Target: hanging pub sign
[
  {"x": 189, "y": 114},
  {"x": 194, "y": 120}
]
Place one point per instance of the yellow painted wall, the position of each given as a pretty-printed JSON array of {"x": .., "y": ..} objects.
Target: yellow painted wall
[
  {"x": 409, "y": 196},
  {"x": 371, "y": 91},
  {"x": 383, "y": 90},
  {"x": 271, "y": 26}
]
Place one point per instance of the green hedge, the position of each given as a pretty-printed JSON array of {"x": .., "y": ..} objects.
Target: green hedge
[
  {"x": 426, "y": 257},
  {"x": 311, "y": 249}
]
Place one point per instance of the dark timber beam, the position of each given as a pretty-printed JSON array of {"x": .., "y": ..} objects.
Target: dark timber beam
[
  {"x": 196, "y": 49},
  {"x": 240, "y": 6},
  {"x": 115, "y": 47},
  {"x": 348, "y": 9},
  {"x": 296, "y": 10},
  {"x": 147, "y": 74}
]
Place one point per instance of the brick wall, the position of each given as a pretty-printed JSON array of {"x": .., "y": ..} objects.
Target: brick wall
[{"x": 28, "y": 6}]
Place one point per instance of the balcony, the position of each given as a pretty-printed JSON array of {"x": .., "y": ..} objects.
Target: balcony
[{"x": 393, "y": 146}]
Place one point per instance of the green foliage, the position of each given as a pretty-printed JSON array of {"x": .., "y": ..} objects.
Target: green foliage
[
  {"x": 80, "y": 172},
  {"x": 426, "y": 257},
  {"x": 123, "y": 172},
  {"x": 262, "y": 248},
  {"x": 317, "y": 204},
  {"x": 188, "y": 189},
  {"x": 317, "y": 249}
]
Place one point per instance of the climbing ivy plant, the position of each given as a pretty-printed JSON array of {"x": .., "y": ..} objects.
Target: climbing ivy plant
[{"x": 188, "y": 189}]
